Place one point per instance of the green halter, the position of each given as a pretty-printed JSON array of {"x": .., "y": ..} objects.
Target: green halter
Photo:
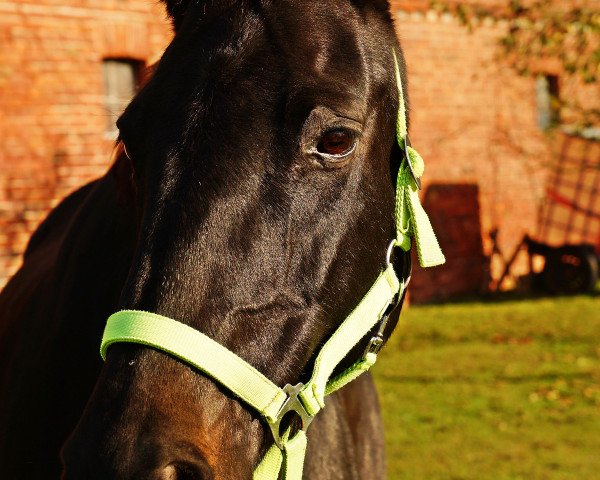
[{"x": 306, "y": 400}]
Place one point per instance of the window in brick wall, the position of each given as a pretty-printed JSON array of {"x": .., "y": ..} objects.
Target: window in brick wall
[
  {"x": 121, "y": 82},
  {"x": 548, "y": 101}
]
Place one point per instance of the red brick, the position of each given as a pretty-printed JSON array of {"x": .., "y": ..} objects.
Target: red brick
[{"x": 473, "y": 119}]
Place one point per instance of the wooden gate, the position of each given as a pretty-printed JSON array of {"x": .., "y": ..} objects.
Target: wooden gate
[{"x": 570, "y": 213}]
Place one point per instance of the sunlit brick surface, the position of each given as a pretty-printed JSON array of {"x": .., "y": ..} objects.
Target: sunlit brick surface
[
  {"x": 52, "y": 113},
  {"x": 473, "y": 119}
]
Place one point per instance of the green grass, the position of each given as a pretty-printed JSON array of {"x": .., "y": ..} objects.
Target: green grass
[{"x": 507, "y": 390}]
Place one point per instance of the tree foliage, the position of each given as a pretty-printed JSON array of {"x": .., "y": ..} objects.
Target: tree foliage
[{"x": 566, "y": 31}]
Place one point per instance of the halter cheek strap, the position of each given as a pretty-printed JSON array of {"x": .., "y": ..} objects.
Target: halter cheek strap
[
  {"x": 306, "y": 400},
  {"x": 411, "y": 219}
]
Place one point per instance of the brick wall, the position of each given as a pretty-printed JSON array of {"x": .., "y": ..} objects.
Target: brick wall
[
  {"x": 52, "y": 113},
  {"x": 473, "y": 119},
  {"x": 475, "y": 122}
]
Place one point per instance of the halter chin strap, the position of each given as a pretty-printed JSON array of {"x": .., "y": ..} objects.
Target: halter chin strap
[{"x": 306, "y": 400}]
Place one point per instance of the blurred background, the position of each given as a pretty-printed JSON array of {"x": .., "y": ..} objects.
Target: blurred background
[{"x": 495, "y": 369}]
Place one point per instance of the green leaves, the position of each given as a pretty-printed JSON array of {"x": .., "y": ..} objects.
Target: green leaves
[{"x": 567, "y": 32}]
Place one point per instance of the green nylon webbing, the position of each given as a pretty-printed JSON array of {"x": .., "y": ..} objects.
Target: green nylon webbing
[
  {"x": 411, "y": 219},
  {"x": 361, "y": 320},
  {"x": 195, "y": 348},
  {"x": 401, "y": 119},
  {"x": 291, "y": 459},
  {"x": 251, "y": 386}
]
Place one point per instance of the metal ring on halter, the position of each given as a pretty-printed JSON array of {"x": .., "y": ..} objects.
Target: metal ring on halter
[
  {"x": 388, "y": 256},
  {"x": 293, "y": 403},
  {"x": 388, "y": 261}
]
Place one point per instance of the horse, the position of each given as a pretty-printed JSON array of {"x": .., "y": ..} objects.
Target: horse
[{"x": 251, "y": 196}]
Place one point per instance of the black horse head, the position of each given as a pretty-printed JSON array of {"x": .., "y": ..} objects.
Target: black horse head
[{"x": 260, "y": 164}]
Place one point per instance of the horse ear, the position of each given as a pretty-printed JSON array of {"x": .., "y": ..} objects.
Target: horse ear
[
  {"x": 176, "y": 10},
  {"x": 383, "y": 5}
]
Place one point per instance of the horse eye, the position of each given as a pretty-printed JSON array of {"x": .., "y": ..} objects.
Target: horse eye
[{"x": 338, "y": 142}]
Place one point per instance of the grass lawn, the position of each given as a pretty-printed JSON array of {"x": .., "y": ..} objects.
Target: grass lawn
[{"x": 507, "y": 390}]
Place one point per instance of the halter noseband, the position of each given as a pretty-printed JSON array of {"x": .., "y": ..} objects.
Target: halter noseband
[{"x": 306, "y": 400}]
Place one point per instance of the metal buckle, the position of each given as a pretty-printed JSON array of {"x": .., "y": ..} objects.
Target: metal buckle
[
  {"x": 377, "y": 340},
  {"x": 374, "y": 345},
  {"x": 389, "y": 262},
  {"x": 292, "y": 404},
  {"x": 407, "y": 156}
]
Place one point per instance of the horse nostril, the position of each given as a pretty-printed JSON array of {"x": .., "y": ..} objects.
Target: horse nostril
[
  {"x": 184, "y": 471},
  {"x": 169, "y": 473}
]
